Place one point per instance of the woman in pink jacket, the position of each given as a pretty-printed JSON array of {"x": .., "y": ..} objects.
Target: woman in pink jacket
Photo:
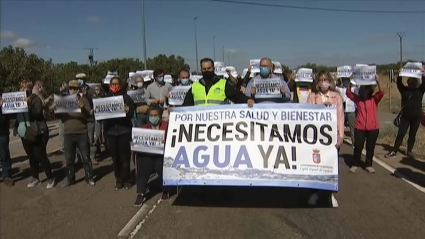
[{"x": 325, "y": 93}]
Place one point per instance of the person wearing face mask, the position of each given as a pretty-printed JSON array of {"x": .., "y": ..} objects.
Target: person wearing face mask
[
  {"x": 266, "y": 72},
  {"x": 325, "y": 93},
  {"x": 156, "y": 92},
  {"x": 76, "y": 137},
  {"x": 213, "y": 90},
  {"x": 184, "y": 78},
  {"x": 366, "y": 124},
  {"x": 118, "y": 133},
  {"x": 411, "y": 113},
  {"x": 141, "y": 117},
  {"x": 148, "y": 163},
  {"x": 34, "y": 133}
]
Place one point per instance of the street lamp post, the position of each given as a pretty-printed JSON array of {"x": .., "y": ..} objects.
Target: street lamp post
[
  {"x": 400, "y": 36},
  {"x": 223, "y": 53},
  {"x": 214, "y": 46},
  {"x": 144, "y": 33},
  {"x": 196, "y": 46}
]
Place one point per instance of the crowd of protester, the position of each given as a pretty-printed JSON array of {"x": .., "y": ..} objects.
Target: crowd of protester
[{"x": 82, "y": 137}]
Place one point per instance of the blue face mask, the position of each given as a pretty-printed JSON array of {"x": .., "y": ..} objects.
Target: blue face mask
[
  {"x": 154, "y": 120},
  {"x": 264, "y": 71},
  {"x": 160, "y": 79},
  {"x": 184, "y": 81},
  {"x": 80, "y": 82}
]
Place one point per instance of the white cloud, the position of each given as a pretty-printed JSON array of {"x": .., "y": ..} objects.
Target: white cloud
[
  {"x": 8, "y": 35},
  {"x": 93, "y": 19},
  {"x": 23, "y": 43}
]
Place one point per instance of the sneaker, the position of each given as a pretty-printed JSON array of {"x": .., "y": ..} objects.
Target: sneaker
[
  {"x": 50, "y": 183},
  {"x": 313, "y": 199},
  {"x": 91, "y": 182},
  {"x": 410, "y": 154},
  {"x": 370, "y": 169},
  {"x": 334, "y": 202},
  {"x": 34, "y": 182},
  {"x": 391, "y": 154},
  {"x": 8, "y": 182},
  {"x": 353, "y": 169},
  {"x": 139, "y": 200},
  {"x": 118, "y": 186}
]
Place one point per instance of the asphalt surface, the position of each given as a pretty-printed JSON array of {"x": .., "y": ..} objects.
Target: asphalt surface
[{"x": 371, "y": 206}]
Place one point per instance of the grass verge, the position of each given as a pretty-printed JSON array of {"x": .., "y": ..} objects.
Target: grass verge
[{"x": 387, "y": 137}]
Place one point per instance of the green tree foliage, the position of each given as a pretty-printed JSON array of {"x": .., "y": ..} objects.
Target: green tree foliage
[{"x": 16, "y": 65}]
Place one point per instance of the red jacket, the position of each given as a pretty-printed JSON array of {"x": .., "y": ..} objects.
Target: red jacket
[
  {"x": 162, "y": 126},
  {"x": 367, "y": 110}
]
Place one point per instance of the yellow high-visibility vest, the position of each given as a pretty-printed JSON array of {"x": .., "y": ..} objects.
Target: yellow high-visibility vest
[{"x": 216, "y": 94}]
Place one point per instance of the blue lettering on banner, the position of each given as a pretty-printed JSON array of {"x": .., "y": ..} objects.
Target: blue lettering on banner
[{"x": 202, "y": 160}]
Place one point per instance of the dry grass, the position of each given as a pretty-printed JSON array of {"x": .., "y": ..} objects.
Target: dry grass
[{"x": 388, "y": 135}]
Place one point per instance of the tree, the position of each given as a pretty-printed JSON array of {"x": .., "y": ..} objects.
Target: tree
[{"x": 16, "y": 65}]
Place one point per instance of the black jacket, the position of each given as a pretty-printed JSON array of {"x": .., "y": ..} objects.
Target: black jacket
[
  {"x": 411, "y": 98},
  {"x": 4, "y": 124},
  {"x": 119, "y": 126},
  {"x": 231, "y": 92}
]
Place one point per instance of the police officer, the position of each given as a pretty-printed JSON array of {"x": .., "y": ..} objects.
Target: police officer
[{"x": 213, "y": 90}]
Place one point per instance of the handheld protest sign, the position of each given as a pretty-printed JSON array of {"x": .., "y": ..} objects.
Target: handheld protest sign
[
  {"x": 147, "y": 141},
  {"x": 109, "y": 107},
  {"x": 66, "y": 104},
  {"x": 177, "y": 94},
  {"x": 136, "y": 95},
  {"x": 344, "y": 71},
  {"x": 364, "y": 74},
  {"x": 14, "y": 102},
  {"x": 304, "y": 75},
  {"x": 267, "y": 88},
  {"x": 412, "y": 69},
  {"x": 278, "y": 69},
  {"x": 255, "y": 65}
]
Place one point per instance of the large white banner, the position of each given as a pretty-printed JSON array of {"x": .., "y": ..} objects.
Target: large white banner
[
  {"x": 280, "y": 145},
  {"x": 147, "y": 141},
  {"x": 267, "y": 88},
  {"x": 66, "y": 104},
  {"x": 14, "y": 102},
  {"x": 109, "y": 107}
]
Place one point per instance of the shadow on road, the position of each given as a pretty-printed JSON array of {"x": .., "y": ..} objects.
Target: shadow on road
[{"x": 248, "y": 197}]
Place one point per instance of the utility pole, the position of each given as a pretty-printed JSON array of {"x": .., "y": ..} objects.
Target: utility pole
[
  {"x": 223, "y": 53},
  {"x": 228, "y": 57},
  {"x": 91, "y": 56},
  {"x": 196, "y": 46},
  {"x": 144, "y": 33},
  {"x": 214, "y": 46},
  {"x": 400, "y": 36}
]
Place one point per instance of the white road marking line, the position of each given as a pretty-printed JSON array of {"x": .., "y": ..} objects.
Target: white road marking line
[
  {"x": 137, "y": 221},
  {"x": 391, "y": 169}
]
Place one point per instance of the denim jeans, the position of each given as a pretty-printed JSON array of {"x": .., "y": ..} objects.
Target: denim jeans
[
  {"x": 6, "y": 162},
  {"x": 61, "y": 132},
  {"x": 72, "y": 142},
  {"x": 93, "y": 129}
]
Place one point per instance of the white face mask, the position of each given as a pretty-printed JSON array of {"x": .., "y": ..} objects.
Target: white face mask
[{"x": 139, "y": 84}]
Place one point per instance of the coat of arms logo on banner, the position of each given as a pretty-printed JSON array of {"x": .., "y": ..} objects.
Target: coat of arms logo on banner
[{"x": 316, "y": 156}]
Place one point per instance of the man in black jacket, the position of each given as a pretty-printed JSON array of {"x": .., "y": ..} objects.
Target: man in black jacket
[{"x": 4, "y": 147}]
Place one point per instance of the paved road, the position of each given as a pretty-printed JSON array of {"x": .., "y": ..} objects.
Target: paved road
[{"x": 371, "y": 206}]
